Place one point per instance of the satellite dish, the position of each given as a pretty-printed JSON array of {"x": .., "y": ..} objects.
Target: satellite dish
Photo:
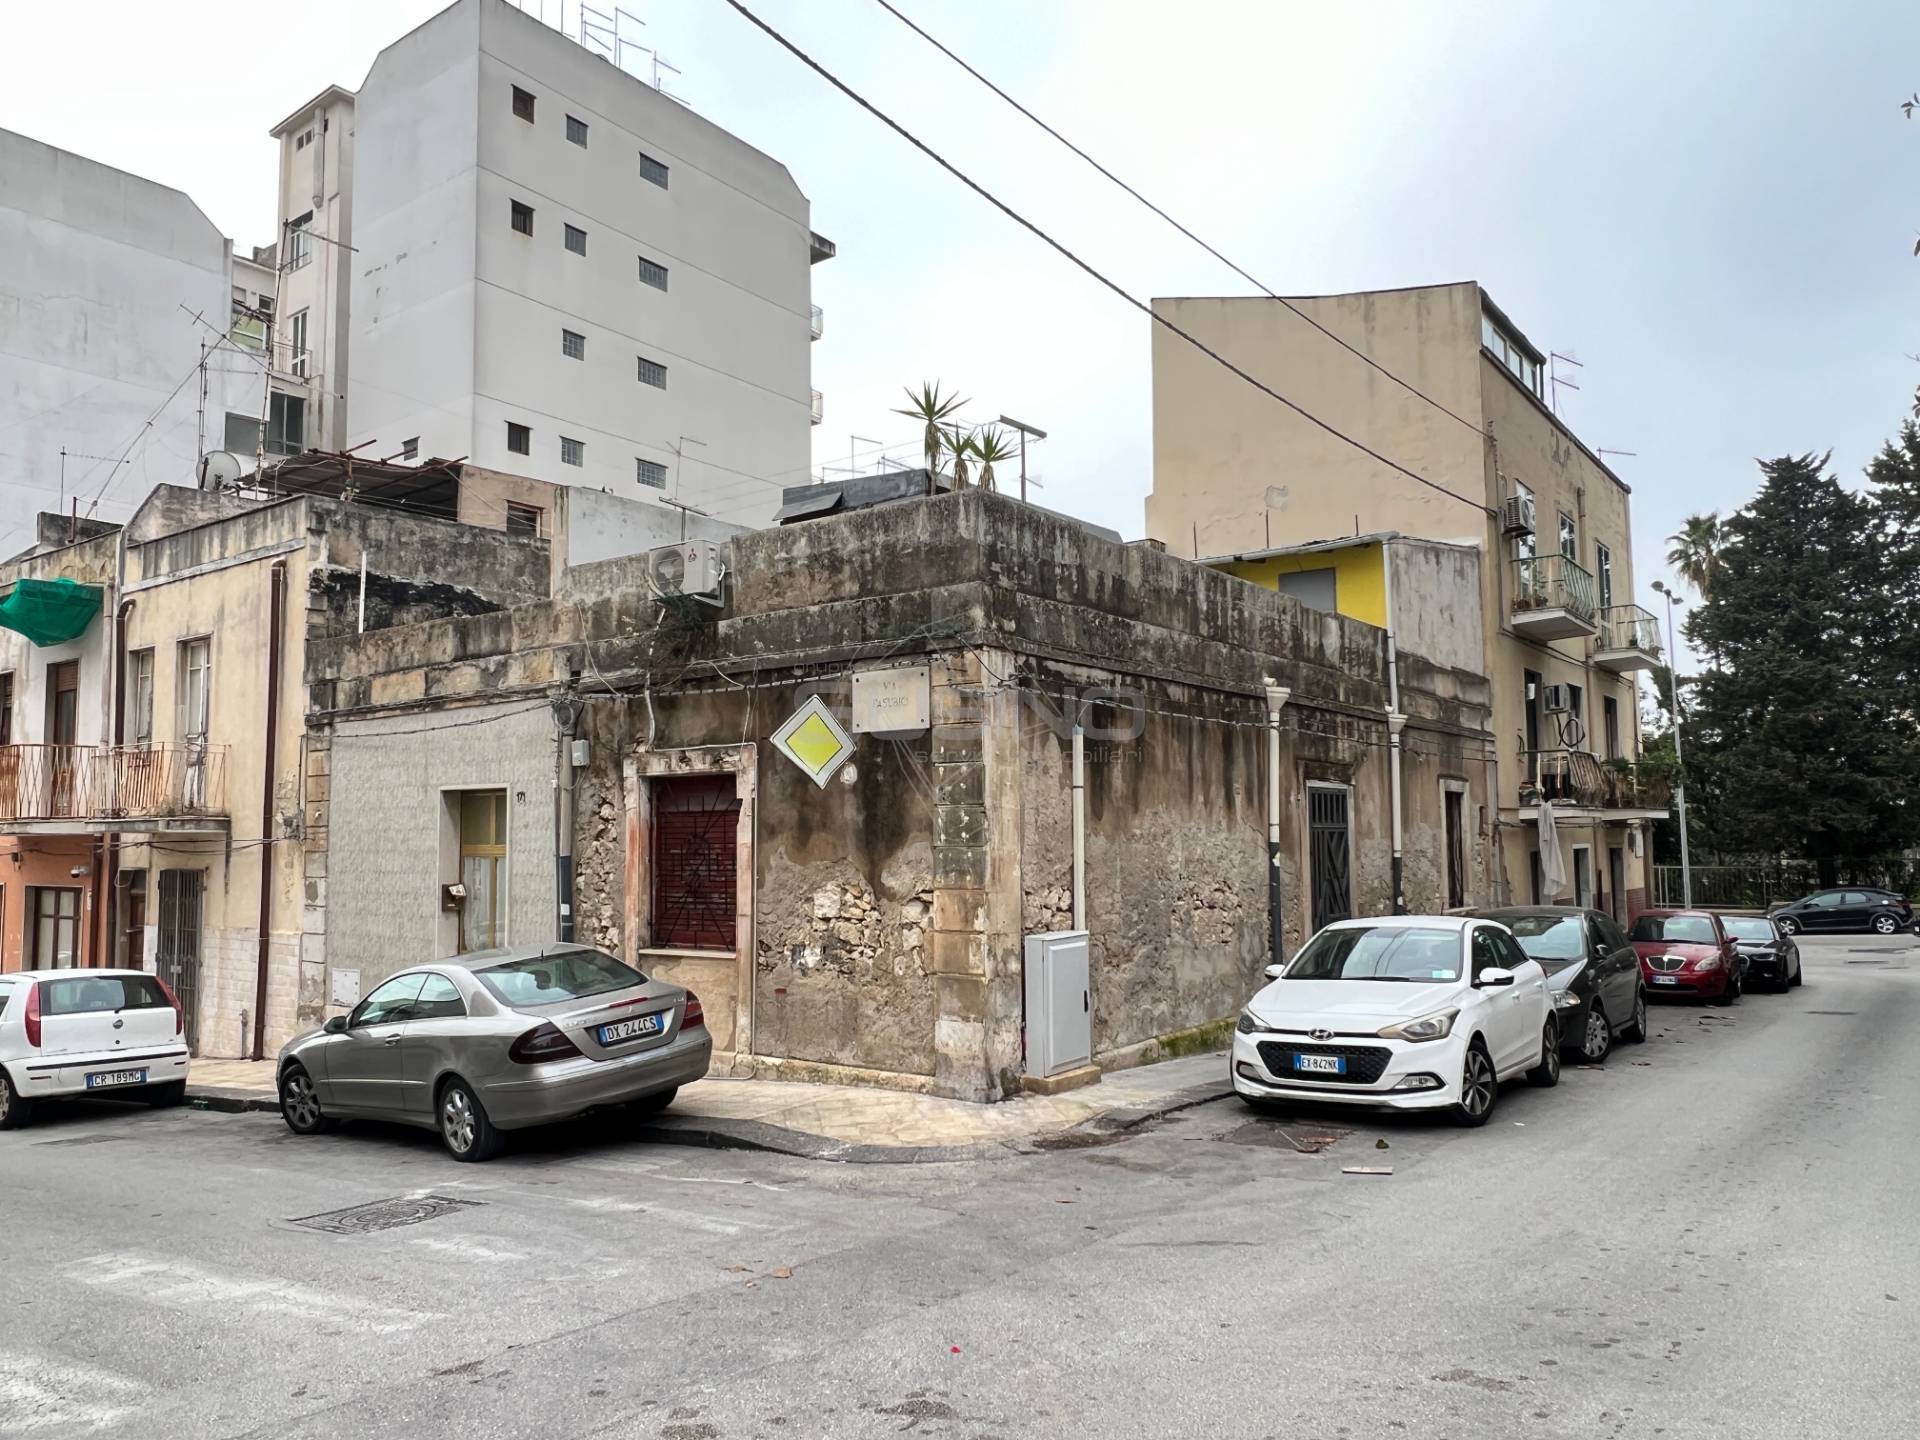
[{"x": 220, "y": 467}]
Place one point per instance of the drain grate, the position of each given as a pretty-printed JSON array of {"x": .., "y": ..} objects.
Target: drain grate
[{"x": 384, "y": 1214}]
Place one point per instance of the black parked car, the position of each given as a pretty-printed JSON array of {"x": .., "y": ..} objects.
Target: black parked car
[
  {"x": 1856, "y": 908},
  {"x": 1770, "y": 955},
  {"x": 1592, "y": 972}
]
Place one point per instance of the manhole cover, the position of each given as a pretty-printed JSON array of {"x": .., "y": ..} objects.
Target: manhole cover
[
  {"x": 384, "y": 1214},
  {"x": 83, "y": 1140}
]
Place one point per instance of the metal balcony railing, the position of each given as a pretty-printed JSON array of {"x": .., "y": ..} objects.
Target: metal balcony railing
[
  {"x": 818, "y": 323},
  {"x": 1628, "y": 627},
  {"x": 1631, "y": 788},
  {"x": 1564, "y": 777},
  {"x": 112, "y": 782},
  {"x": 1553, "y": 582}
]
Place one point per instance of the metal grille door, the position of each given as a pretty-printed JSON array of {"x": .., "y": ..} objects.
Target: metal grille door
[
  {"x": 695, "y": 823},
  {"x": 1331, "y": 847},
  {"x": 1456, "y": 850},
  {"x": 177, "y": 949}
]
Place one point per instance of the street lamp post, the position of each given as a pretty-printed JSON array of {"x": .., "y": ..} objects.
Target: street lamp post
[{"x": 1679, "y": 758}]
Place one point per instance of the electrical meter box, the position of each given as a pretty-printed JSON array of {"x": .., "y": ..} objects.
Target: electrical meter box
[{"x": 1059, "y": 1005}]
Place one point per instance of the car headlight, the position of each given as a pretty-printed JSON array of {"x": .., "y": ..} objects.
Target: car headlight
[
  {"x": 1246, "y": 1024},
  {"x": 1712, "y": 962},
  {"x": 1566, "y": 1000},
  {"x": 1428, "y": 1027}
]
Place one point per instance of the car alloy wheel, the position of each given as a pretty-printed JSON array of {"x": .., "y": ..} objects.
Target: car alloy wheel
[
  {"x": 1597, "y": 1039},
  {"x": 1885, "y": 924},
  {"x": 1477, "y": 1086},
  {"x": 1788, "y": 925},
  {"x": 457, "y": 1119},
  {"x": 299, "y": 1105}
]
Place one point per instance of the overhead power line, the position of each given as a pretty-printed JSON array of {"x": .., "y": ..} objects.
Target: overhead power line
[
  {"x": 1408, "y": 386},
  {"x": 1142, "y": 306}
]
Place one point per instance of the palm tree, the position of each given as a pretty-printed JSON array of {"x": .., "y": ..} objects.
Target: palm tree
[
  {"x": 1694, "y": 552},
  {"x": 930, "y": 407},
  {"x": 990, "y": 447},
  {"x": 963, "y": 448}
]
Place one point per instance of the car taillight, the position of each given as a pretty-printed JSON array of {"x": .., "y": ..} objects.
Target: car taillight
[
  {"x": 694, "y": 1015},
  {"x": 33, "y": 1015},
  {"x": 542, "y": 1043},
  {"x": 179, "y": 1019}
]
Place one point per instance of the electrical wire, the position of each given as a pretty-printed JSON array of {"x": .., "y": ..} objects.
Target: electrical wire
[
  {"x": 1142, "y": 306},
  {"x": 1251, "y": 280}
]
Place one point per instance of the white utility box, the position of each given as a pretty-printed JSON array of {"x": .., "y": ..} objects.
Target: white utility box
[{"x": 1059, "y": 1004}]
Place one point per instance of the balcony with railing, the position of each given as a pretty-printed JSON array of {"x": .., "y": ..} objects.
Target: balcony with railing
[
  {"x": 817, "y": 323},
  {"x": 57, "y": 789},
  {"x": 1553, "y": 598},
  {"x": 1629, "y": 639},
  {"x": 1580, "y": 781}
]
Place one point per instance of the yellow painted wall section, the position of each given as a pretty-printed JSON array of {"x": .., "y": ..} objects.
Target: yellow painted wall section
[{"x": 1359, "y": 577}]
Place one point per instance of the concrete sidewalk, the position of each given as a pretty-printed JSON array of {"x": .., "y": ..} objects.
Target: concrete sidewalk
[{"x": 856, "y": 1125}]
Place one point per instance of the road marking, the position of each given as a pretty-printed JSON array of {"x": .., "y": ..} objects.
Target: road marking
[
  {"x": 468, "y": 1248},
  {"x": 37, "y": 1394},
  {"x": 180, "y": 1285}
]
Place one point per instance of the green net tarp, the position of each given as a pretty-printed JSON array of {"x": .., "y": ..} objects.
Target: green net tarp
[{"x": 50, "y": 611}]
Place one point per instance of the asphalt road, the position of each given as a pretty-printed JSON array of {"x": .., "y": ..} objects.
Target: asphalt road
[{"x": 1713, "y": 1236}]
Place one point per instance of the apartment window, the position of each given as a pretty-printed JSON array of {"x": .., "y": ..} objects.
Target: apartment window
[
  {"x": 523, "y": 519},
  {"x": 572, "y": 452},
  {"x": 1569, "y": 537},
  {"x": 410, "y": 449},
  {"x": 6, "y": 708},
  {"x": 523, "y": 217},
  {"x": 1603, "y": 566},
  {"x": 297, "y": 344},
  {"x": 63, "y": 703},
  {"x": 1610, "y": 722},
  {"x": 286, "y": 424},
  {"x": 653, "y": 273},
  {"x": 196, "y": 688},
  {"x": 653, "y": 373},
  {"x": 483, "y": 865},
  {"x": 139, "y": 708},
  {"x": 1524, "y": 545},
  {"x": 243, "y": 433},
  {"x": 305, "y": 139},
  {"x": 652, "y": 169},
  {"x": 299, "y": 241},
  {"x": 519, "y": 439},
  {"x": 53, "y": 927},
  {"x": 576, "y": 240},
  {"x": 577, "y": 131},
  {"x": 1506, "y": 347},
  {"x": 573, "y": 345},
  {"x": 523, "y": 104},
  {"x": 649, "y": 472}
]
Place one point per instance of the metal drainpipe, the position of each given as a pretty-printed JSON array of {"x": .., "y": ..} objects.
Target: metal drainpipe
[
  {"x": 1396, "y": 722},
  {"x": 1079, "y": 827},
  {"x": 119, "y": 682},
  {"x": 1277, "y": 697},
  {"x": 566, "y": 715},
  {"x": 276, "y": 607}
]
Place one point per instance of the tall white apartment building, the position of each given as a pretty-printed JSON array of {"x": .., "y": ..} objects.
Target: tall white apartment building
[{"x": 560, "y": 272}]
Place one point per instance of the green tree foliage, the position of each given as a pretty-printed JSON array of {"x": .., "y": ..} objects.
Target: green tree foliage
[
  {"x": 1894, "y": 657},
  {"x": 1795, "y": 744}
]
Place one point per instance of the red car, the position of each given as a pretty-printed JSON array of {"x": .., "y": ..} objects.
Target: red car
[{"x": 1688, "y": 952}]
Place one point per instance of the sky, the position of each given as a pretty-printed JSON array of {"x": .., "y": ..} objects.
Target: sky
[{"x": 1712, "y": 206}]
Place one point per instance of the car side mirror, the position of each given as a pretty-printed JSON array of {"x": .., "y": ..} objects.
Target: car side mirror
[
  {"x": 336, "y": 1026},
  {"x": 1274, "y": 972},
  {"x": 1492, "y": 978}
]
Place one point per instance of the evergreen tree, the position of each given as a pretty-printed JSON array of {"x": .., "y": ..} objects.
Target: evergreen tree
[
  {"x": 1792, "y": 731},
  {"x": 1895, "y": 661}
]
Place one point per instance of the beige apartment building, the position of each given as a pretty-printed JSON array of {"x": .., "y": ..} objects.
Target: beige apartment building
[{"x": 1264, "y": 492}]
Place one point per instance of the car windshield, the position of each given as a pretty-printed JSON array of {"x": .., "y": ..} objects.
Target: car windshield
[
  {"x": 1676, "y": 929},
  {"x": 1384, "y": 952},
  {"x": 1746, "y": 929},
  {"x": 562, "y": 975},
  {"x": 1549, "y": 937}
]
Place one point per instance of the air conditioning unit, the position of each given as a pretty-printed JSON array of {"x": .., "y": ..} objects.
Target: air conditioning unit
[
  {"x": 694, "y": 568},
  {"x": 1516, "y": 515},
  {"x": 1555, "y": 700}
]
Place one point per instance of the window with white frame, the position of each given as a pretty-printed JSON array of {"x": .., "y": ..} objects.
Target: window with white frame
[
  {"x": 573, "y": 345},
  {"x": 650, "y": 473},
  {"x": 1569, "y": 537},
  {"x": 653, "y": 273},
  {"x": 572, "y": 452},
  {"x": 1506, "y": 347},
  {"x": 653, "y": 373},
  {"x": 195, "y": 688},
  {"x": 1603, "y": 567},
  {"x": 297, "y": 358}
]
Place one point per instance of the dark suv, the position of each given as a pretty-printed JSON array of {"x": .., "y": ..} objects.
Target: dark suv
[{"x": 1853, "y": 907}]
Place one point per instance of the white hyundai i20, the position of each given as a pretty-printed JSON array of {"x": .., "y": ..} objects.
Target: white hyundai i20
[
  {"x": 1416, "y": 1012},
  {"x": 88, "y": 1032}
]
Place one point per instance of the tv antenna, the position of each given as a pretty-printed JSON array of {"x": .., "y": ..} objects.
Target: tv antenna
[
  {"x": 603, "y": 32},
  {"x": 1555, "y": 380}
]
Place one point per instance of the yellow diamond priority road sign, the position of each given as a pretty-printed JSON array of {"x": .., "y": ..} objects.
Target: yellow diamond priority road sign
[{"x": 814, "y": 741}]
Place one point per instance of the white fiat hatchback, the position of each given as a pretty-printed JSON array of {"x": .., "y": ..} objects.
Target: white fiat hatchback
[
  {"x": 88, "y": 1032},
  {"x": 1415, "y": 1012}
]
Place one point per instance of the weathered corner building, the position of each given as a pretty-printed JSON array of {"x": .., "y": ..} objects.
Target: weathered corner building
[{"x": 872, "y": 927}]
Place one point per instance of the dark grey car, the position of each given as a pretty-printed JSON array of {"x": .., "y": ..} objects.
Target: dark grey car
[
  {"x": 484, "y": 1043},
  {"x": 1591, "y": 969}
]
